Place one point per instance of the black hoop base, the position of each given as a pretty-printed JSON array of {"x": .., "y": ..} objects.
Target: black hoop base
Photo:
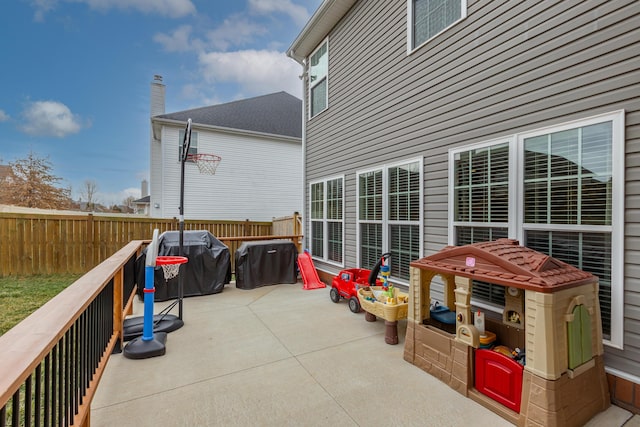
[
  {"x": 141, "y": 349},
  {"x": 132, "y": 327}
]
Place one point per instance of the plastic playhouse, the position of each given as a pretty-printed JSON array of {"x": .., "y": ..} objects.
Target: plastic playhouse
[{"x": 538, "y": 363}]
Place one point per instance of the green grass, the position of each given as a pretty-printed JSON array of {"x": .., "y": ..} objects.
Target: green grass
[{"x": 21, "y": 296}]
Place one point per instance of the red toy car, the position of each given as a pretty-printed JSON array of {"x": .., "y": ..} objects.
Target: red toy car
[{"x": 345, "y": 284}]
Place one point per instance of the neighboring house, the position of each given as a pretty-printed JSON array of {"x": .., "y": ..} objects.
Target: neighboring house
[
  {"x": 430, "y": 126},
  {"x": 260, "y": 175},
  {"x": 141, "y": 205}
]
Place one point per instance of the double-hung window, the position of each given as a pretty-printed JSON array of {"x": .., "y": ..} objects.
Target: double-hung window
[
  {"x": 481, "y": 202},
  {"x": 327, "y": 220},
  {"x": 319, "y": 79},
  {"x": 556, "y": 191},
  {"x": 193, "y": 147},
  {"x": 390, "y": 216},
  {"x": 427, "y": 18}
]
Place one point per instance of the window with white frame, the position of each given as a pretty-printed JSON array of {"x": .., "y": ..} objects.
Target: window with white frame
[
  {"x": 193, "y": 147},
  {"x": 481, "y": 209},
  {"x": 319, "y": 79},
  {"x": 568, "y": 198},
  {"x": 428, "y": 18},
  {"x": 327, "y": 223},
  {"x": 390, "y": 216}
]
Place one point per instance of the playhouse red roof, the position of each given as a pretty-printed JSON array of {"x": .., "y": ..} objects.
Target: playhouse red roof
[{"x": 506, "y": 263}]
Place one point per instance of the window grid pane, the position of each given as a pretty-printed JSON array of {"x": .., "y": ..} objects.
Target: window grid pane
[
  {"x": 334, "y": 199},
  {"x": 370, "y": 196},
  {"x": 481, "y": 187},
  {"x": 404, "y": 193},
  {"x": 334, "y": 241},
  {"x": 319, "y": 97},
  {"x": 317, "y": 201},
  {"x": 405, "y": 247},
  {"x": 432, "y": 16},
  {"x": 587, "y": 251},
  {"x": 370, "y": 244},
  {"x": 568, "y": 176},
  {"x": 317, "y": 238}
]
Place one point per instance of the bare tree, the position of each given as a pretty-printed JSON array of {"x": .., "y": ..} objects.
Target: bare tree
[
  {"x": 32, "y": 184},
  {"x": 128, "y": 202},
  {"x": 88, "y": 192}
]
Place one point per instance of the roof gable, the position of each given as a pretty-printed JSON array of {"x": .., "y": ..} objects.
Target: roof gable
[
  {"x": 506, "y": 263},
  {"x": 276, "y": 114}
]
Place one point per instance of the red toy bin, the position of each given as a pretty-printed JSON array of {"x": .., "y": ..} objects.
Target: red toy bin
[{"x": 499, "y": 377}]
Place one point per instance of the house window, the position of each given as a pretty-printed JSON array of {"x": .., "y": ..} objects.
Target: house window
[
  {"x": 318, "y": 79},
  {"x": 370, "y": 217},
  {"x": 430, "y": 17},
  {"x": 193, "y": 147},
  {"x": 327, "y": 224},
  {"x": 568, "y": 198},
  {"x": 481, "y": 194},
  {"x": 390, "y": 216}
]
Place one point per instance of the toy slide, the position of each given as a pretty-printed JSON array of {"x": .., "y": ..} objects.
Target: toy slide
[{"x": 308, "y": 272}]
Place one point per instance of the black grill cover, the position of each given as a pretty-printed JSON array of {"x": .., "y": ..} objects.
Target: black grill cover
[
  {"x": 267, "y": 262},
  {"x": 208, "y": 269}
]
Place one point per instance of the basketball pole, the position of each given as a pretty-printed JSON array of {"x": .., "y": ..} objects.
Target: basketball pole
[{"x": 186, "y": 144}]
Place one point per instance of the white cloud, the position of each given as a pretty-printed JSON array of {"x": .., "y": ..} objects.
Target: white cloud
[
  {"x": 170, "y": 8},
  {"x": 297, "y": 13},
  {"x": 3, "y": 116},
  {"x": 177, "y": 41},
  {"x": 257, "y": 72},
  {"x": 236, "y": 30},
  {"x": 42, "y": 7},
  {"x": 49, "y": 118}
]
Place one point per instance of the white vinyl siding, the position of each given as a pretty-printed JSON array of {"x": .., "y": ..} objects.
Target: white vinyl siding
[
  {"x": 327, "y": 220},
  {"x": 390, "y": 216},
  {"x": 232, "y": 193},
  {"x": 569, "y": 201}
]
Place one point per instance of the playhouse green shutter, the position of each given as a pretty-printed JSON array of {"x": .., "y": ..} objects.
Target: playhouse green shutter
[{"x": 579, "y": 337}]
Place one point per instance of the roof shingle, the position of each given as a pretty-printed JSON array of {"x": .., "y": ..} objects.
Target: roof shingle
[{"x": 277, "y": 114}]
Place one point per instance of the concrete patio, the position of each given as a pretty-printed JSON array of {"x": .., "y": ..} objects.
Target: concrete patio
[{"x": 280, "y": 355}]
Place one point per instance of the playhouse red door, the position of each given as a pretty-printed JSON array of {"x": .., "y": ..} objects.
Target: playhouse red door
[{"x": 499, "y": 377}]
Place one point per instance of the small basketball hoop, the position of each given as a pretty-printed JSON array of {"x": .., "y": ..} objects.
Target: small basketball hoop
[
  {"x": 170, "y": 265},
  {"x": 207, "y": 163}
]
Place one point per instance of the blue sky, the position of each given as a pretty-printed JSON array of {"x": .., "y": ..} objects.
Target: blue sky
[{"x": 75, "y": 75}]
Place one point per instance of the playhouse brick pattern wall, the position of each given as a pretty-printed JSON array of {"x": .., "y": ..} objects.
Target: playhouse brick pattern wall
[{"x": 552, "y": 394}]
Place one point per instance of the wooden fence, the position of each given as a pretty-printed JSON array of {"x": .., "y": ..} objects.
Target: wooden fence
[{"x": 52, "y": 244}]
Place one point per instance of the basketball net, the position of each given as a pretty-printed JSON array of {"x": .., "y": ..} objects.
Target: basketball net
[{"x": 207, "y": 163}]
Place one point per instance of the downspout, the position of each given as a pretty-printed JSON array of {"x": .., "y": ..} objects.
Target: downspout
[{"x": 303, "y": 78}]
